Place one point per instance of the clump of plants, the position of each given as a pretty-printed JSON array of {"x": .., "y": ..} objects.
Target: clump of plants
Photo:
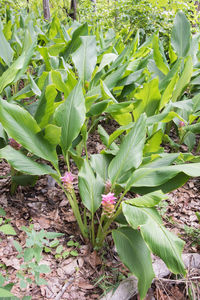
[{"x": 76, "y": 82}]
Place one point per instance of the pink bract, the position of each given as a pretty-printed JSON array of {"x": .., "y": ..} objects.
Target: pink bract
[
  {"x": 67, "y": 178},
  {"x": 109, "y": 198}
]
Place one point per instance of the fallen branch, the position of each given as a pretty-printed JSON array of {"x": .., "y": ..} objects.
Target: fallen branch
[{"x": 67, "y": 284}]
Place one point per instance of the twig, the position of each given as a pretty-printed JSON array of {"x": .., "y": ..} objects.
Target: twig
[
  {"x": 67, "y": 284},
  {"x": 179, "y": 280}
]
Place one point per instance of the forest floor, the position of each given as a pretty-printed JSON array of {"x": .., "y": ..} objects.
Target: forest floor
[{"x": 86, "y": 274}]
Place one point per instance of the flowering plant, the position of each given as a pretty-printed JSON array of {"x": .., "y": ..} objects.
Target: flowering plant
[{"x": 108, "y": 182}]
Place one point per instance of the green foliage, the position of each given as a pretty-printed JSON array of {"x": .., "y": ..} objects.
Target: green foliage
[
  {"x": 74, "y": 76},
  {"x": 32, "y": 255}
]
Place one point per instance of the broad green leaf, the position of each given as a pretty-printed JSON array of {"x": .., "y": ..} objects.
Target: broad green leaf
[
  {"x": 24, "y": 164},
  {"x": 169, "y": 186},
  {"x": 70, "y": 116},
  {"x": 65, "y": 87},
  {"x": 98, "y": 108},
  {"x": 184, "y": 79},
  {"x": 149, "y": 98},
  {"x": 131, "y": 151},
  {"x": 91, "y": 187},
  {"x": 158, "y": 57},
  {"x": 21, "y": 126},
  {"x": 148, "y": 200},
  {"x": 85, "y": 57},
  {"x": 167, "y": 79},
  {"x": 181, "y": 36},
  {"x": 52, "y": 134},
  {"x": 45, "y": 108},
  {"x": 161, "y": 241},
  {"x": 34, "y": 86},
  {"x": 6, "y": 52},
  {"x": 105, "y": 139},
  {"x": 75, "y": 41},
  {"x": 44, "y": 53},
  {"x": 167, "y": 94},
  {"x": 106, "y": 94},
  {"x": 7, "y": 229},
  {"x": 135, "y": 255},
  {"x": 100, "y": 163},
  {"x": 106, "y": 60},
  {"x": 164, "y": 117},
  {"x": 5, "y": 293},
  {"x": 157, "y": 176},
  {"x": 15, "y": 71},
  {"x": 110, "y": 81},
  {"x": 153, "y": 144}
]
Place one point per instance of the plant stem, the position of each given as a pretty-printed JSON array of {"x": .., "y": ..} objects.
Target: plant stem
[
  {"x": 104, "y": 232},
  {"x": 92, "y": 231},
  {"x": 74, "y": 205},
  {"x": 67, "y": 161},
  {"x": 13, "y": 183}
]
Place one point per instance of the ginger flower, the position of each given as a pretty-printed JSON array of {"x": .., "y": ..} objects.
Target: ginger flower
[
  {"x": 14, "y": 144},
  {"x": 67, "y": 180},
  {"x": 108, "y": 204},
  {"x": 181, "y": 124}
]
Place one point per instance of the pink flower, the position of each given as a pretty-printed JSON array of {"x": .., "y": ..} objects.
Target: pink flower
[
  {"x": 67, "y": 180},
  {"x": 108, "y": 203},
  {"x": 181, "y": 124},
  {"x": 14, "y": 144}
]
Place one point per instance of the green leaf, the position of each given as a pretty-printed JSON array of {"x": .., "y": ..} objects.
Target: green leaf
[
  {"x": 7, "y": 229},
  {"x": 148, "y": 200},
  {"x": 98, "y": 108},
  {"x": 45, "y": 108},
  {"x": 153, "y": 144},
  {"x": 157, "y": 176},
  {"x": 17, "y": 246},
  {"x": 70, "y": 116},
  {"x": 28, "y": 254},
  {"x": 110, "y": 81},
  {"x": 44, "y": 269},
  {"x": 149, "y": 98},
  {"x": 2, "y": 212},
  {"x": 5, "y": 293},
  {"x": 65, "y": 87},
  {"x": 91, "y": 187},
  {"x": 106, "y": 94},
  {"x": 59, "y": 249},
  {"x": 107, "y": 59},
  {"x": 24, "y": 164},
  {"x": 21, "y": 126},
  {"x": 184, "y": 79},
  {"x": 53, "y": 235},
  {"x": 6, "y": 52},
  {"x": 161, "y": 241},
  {"x": 75, "y": 41},
  {"x": 14, "y": 72},
  {"x": 181, "y": 36},
  {"x": 85, "y": 57},
  {"x": 74, "y": 253},
  {"x": 131, "y": 151},
  {"x": 135, "y": 255},
  {"x": 158, "y": 56},
  {"x": 52, "y": 134},
  {"x": 100, "y": 163}
]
